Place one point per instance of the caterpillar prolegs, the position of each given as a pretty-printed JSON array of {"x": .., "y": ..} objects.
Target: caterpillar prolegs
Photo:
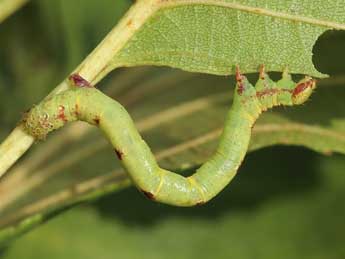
[{"x": 86, "y": 103}]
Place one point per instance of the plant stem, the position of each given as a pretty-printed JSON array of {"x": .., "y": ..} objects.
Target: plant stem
[
  {"x": 14, "y": 147},
  {"x": 8, "y": 7}
]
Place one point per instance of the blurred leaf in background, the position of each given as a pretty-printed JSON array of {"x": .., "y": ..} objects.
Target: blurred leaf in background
[
  {"x": 279, "y": 211},
  {"x": 285, "y": 203}
]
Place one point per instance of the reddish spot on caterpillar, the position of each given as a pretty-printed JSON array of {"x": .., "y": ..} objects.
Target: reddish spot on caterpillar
[
  {"x": 97, "y": 120},
  {"x": 268, "y": 92},
  {"x": 239, "y": 79},
  {"x": 302, "y": 87},
  {"x": 262, "y": 73},
  {"x": 61, "y": 113},
  {"x": 148, "y": 195},
  {"x": 119, "y": 153},
  {"x": 129, "y": 23},
  {"x": 79, "y": 81},
  {"x": 76, "y": 110}
]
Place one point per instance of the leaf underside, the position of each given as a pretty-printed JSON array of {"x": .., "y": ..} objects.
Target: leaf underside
[{"x": 212, "y": 37}]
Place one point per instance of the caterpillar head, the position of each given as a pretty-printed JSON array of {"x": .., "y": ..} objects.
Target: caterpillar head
[{"x": 303, "y": 90}]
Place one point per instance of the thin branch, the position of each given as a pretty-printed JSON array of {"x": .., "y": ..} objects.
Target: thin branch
[{"x": 8, "y": 7}]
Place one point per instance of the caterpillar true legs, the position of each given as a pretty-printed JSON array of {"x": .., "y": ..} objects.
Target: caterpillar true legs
[{"x": 89, "y": 104}]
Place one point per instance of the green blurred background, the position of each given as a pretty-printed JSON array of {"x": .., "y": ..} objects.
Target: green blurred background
[{"x": 287, "y": 202}]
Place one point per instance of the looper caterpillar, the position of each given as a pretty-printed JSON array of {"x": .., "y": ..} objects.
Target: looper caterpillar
[{"x": 86, "y": 103}]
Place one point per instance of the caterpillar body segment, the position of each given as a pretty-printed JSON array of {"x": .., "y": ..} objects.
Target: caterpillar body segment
[{"x": 90, "y": 105}]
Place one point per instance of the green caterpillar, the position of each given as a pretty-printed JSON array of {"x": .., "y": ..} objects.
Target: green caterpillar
[{"x": 83, "y": 102}]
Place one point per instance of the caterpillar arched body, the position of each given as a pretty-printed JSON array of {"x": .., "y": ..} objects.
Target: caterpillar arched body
[{"x": 86, "y": 103}]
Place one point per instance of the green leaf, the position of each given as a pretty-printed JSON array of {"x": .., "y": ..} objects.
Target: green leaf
[{"x": 211, "y": 36}]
